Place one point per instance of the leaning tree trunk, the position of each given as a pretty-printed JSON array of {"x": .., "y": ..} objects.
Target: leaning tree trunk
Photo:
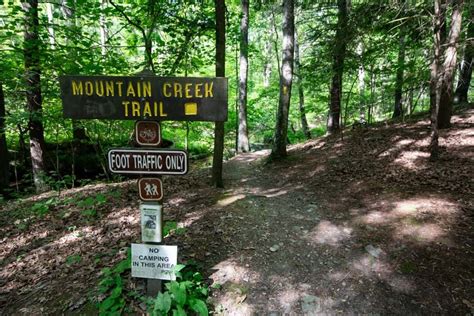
[
  {"x": 466, "y": 64},
  {"x": 243, "y": 138},
  {"x": 31, "y": 53},
  {"x": 281, "y": 128},
  {"x": 299, "y": 78},
  {"x": 339, "y": 53},
  {"x": 449, "y": 67},
  {"x": 218, "y": 156},
  {"x": 4, "y": 161}
]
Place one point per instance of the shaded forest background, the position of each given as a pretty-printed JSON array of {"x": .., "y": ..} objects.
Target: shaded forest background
[{"x": 352, "y": 63}]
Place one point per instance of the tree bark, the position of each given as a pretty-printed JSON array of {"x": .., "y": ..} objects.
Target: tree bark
[
  {"x": 243, "y": 138},
  {"x": 281, "y": 128},
  {"x": 218, "y": 156},
  {"x": 438, "y": 21},
  {"x": 339, "y": 53},
  {"x": 398, "y": 107},
  {"x": 361, "y": 77},
  {"x": 449, "y": 66},
  {"x": 103, "y": 27},
  {"x": 299, "y": 79},
  {"x": 466, "y": 64},
  {"x": 31, "y": 53},
  {"x": 4, "y": 160},
  {"x": 267, "y": 66},
  {"x": 49, "y": 12}
]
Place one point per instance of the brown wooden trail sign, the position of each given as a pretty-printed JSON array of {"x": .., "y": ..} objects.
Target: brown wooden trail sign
[
  {"x": 144, "y": 97},
  {"x": 148, "y": 133},
  {"x": 148, "y": 161},
  {"x": 150, "y": 189}
]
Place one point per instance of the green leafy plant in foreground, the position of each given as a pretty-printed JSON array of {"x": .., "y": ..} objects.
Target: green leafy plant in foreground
[
  {"x": 187, "y": 294},
  {"x": 112, "y": 286}
]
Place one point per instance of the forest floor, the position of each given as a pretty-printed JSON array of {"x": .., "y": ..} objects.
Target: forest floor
[{"x": 359, "y": 224}]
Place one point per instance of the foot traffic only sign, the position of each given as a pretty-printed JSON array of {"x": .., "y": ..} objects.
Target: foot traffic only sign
[{"x": 148, "y": 161}]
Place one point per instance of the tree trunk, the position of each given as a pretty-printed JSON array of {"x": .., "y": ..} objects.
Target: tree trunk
[
  {"x": 275, "y": 41},
  {"x": 4, "y": 160},
  {"x": 449, "y": 67},
  {"x": 438, "y": 21},
  {"x": 398, "y": 108},
  {"x": 243, "y": 139},
  {"x": 49, "y": 12},
  {"x": 103, "y": 27},
  {"x": 218, "y": 156},
  {"x": 69, "y": 14},
  {"x": 281, "y": 128},
  {"x": 339, "y": 53},
  {"x": 299, "y": 78},
  {"x": 31, "y": 53},
  {"x": 267, "y": 66},
  {"x": 360, "y": 53},
  {"x": 466, "y": 64}
]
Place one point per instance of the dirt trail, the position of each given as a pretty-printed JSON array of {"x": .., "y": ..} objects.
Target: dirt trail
[
  {"x": 364, "y": 224},
  {"x": 361, "y": 225}
]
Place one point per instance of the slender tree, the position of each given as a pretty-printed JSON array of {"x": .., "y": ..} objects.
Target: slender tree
[
  {"x": 435, "y": 84},
  {"x": 286, "y": 80},
  {"x": 31, "y": 52},
  {"x": 449, "y": 66},
  {"x": 243, "y": 138},
  {"x": 299, "y": 79},
  {"x": 398, "y": 107},
  {"x": 361, "y": 78},
  {"x": 218, "y": 156},
  {"x": 339, "y": 53},
  {"x": 465, "y": 66},
  {"x": 4, "y": 161}
]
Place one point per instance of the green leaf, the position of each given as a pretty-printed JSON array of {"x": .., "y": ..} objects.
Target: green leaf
[
  {"x": 107, "y": 304},
  {"x": 123, "y": 266},
  {"x": 116, "y": 292},
  {"x": 199, "y": 306},
  {"x": 162, "y": 303},
  {"x": 179, "y": 311},
  {"x": 179, "y": 292}
]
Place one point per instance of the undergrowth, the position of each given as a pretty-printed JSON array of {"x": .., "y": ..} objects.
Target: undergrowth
[{"x": 187, "y": 295}]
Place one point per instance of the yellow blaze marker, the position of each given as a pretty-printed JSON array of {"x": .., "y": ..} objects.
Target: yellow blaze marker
[{"x": 190, "y": 108}]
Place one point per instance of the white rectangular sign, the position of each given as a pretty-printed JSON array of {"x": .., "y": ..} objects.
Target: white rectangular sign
[
  {"x": 150, "y": 222},
  {"x": 154, "y": 261}
]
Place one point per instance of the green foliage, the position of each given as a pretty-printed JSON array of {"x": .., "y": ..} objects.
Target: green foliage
[
  {"x": 187, "y": 294},
  {"x": 90, "y": 205},
  {"x": 72, "y": 260},
  {"x": 42, "y": 208},
  {"x": 172, "y": 226},
  {"x": 111, "y": 284}
]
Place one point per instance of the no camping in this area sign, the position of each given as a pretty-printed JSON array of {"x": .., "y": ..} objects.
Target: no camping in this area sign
[{"x": 154, "y": 261}]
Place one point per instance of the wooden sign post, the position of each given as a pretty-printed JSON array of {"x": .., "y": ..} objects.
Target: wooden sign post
[{"x": 148, "y": 99}]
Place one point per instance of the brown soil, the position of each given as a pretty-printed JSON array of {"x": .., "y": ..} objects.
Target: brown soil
[{"x": 364, "y": 224}]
